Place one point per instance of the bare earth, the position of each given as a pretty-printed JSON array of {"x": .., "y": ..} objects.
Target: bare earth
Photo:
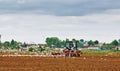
[{"x": 87, "y": 62}]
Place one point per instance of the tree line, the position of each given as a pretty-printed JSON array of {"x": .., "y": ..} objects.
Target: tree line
[
  {"x": 11, "y": 44},
  {"x": 56, "y": 42},
  {"x": 111, "y": 45}
]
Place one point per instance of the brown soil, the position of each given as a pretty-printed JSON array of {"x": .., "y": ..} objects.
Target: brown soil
[{"x": 87, "y": 62}]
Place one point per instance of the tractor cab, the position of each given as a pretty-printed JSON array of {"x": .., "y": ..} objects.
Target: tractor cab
[{"x": 70, "y": 45}]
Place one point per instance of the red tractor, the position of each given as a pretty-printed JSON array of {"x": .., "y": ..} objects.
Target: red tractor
[{"x": 71, "y": 50}]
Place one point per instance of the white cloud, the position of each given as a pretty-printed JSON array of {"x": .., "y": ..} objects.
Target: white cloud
[{"x": 36, "y": 27}]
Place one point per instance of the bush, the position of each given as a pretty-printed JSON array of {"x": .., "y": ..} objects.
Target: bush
[{"x": 31, "y": 49}]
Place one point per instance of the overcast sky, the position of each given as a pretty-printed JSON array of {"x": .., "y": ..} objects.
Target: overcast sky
[{"x": 34, "y": 20}]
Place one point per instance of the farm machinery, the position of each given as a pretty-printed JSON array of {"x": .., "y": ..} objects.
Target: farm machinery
[{"x": 70, "y": 50}]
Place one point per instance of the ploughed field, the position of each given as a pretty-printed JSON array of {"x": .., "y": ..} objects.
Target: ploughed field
[{"x": 87, "y": 62}]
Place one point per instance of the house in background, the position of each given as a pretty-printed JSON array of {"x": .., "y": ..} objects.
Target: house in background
[
  {"x": 117, "y": 48},
  {"x": 96, "y": 47}
]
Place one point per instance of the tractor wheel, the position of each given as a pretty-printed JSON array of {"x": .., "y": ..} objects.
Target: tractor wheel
[{"x": 78, "y": 55}]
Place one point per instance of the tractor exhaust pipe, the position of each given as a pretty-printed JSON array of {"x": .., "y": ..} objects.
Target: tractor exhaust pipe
[{"x": 76, "y": 46}]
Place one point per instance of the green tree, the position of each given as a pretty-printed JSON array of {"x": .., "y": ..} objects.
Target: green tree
[
  {"x": 53, "y": 42},
  {"x": 80, "y": 45},
  {"x": 96, "y": 42},
  {"x": 49, "y": 41},
  {"x": 108, "y": 46},
  {"x": 63, "y": 43},
  {"x": 81, "y": 40},
  {"x": 67, "y": 40},
  {"x": 0, "y": 44},
  {"x": 31, "y": 49},
  {"x": 115, "y": 43},
  {"x": 6, "y": 44},
  {"x": 14, "y": 44},
  {"x": 74, "y": 40},
  {"x": 58, "y": 44},
  {"x": 90, "y": 43}
]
